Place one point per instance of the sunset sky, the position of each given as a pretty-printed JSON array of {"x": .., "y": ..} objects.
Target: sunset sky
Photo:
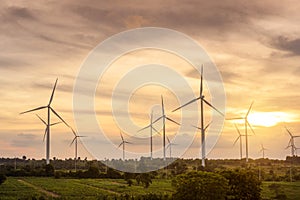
[{"x": 254, "y": 44}]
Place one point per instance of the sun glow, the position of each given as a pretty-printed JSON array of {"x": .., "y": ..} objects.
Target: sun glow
[{"x": 269, "y": 119}]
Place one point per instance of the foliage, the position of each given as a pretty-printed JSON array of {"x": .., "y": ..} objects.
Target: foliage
[
  {"x": 144, "y": 178},
  {"x": 277, "y": 189},
  {"x": 200, "y": 185},
  {"x": 243, "y": 184},
  {"x": 49, "y": 170},
  {"x": 2, "y": 178}
]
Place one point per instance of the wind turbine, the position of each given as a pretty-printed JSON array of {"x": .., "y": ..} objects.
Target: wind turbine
[
  {"x": 292, "y": 142},
  {"x": 202, "y": 101},
  {"x": 239, "y": 138},
  {"x": 46, "y": 130},
  {"x": 263, "y": 150},
  {"x": 164, "y": 117},
  {"x": 246, "y": 125},
  {"x": 123, "y": 143},
  {"x": 151, "y": 133},
  {"x": 49, "y": 109},
  {"x": 76, "y": 143},
  {"x": 170, "y": 146}
]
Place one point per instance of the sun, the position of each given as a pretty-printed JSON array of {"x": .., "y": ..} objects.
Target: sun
[{"x": 269, "y": 119}]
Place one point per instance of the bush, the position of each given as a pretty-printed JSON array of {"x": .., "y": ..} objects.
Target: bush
[
  {"x": 200, "y": 185},
  {"x": 2, "y": 178},
  {"x": 243, "y": 184}
]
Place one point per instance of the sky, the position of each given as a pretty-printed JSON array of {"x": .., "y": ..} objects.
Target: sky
[{"x": 254, "y": 44}]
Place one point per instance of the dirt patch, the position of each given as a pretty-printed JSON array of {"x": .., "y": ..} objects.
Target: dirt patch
[{"x": 48, "y": 193}]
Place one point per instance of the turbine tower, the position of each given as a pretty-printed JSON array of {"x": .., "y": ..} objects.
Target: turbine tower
[
  {"x": 170, "y": 144},
  {"x": 247, "y": 124},
  {"x": 263, "y": 149},
  {"x": 202, "y": 101},
  {"x": 164, "y": 117},
  {"x": 76, "y": 143},
  {"x": 46, "y": 129},
  {"x": 151, "y": 133},
  {"x": 123, "y": 143},
  {"x": 49, "y": 110},
  {"x": 292, "y": 142},
  {"x": 239, "y": 138}
]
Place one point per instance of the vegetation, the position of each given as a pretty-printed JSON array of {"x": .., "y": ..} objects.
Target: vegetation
[
  {"x": 200, "y": 185},
  {"x": 233, "y": 179},
  {"x": 2, "y": 178}
]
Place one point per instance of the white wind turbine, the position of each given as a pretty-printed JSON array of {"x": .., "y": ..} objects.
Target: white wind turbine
[
  {"x": 76, "y": 144},
  {"x": 46, "y": 129},
  {"x": 164, "y": 117},
  {"x": 292, "y": 142},
  {"x": 247, "y": 124},
  {"x": 123, "y": 143},
  {"x": 49, "y": 110},
  {"x": 170, "y": 144},
  {"x": 263, "y": 149},
  {"x": 151, "y": 133},
  {"x": 239, "y": 138},
  {"x": 202, "y": 101}
]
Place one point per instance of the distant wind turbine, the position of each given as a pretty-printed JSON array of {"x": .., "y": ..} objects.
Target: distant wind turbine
[
  {"x": 76, "y": 143},
  {"x": 202, "y": 101},
  {"x": 151, "y": 133},
  {"x": 164, "y": 117},
  {"x": 263, "y": 149},
  {"x": 170, "y": 144},
  {"x": 46, "y": 130},
  {"x": 247, "y": 124},
  {"x": 239, "y": 138},
  {"x": 48, "y": 124},
  {"x": 292, "y": 142},
  {"x": 123, "y": 143}
]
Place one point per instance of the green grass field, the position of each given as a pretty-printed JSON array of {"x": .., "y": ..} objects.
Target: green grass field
[{"x": 50, "y": 188}]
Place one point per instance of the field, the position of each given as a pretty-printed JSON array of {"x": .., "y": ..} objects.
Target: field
[{"x": 50, "y": 188}]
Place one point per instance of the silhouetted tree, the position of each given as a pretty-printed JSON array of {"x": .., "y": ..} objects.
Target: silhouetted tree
[
  {"x": 2, "y": 178},
  {"x": 200, "y": 185}
]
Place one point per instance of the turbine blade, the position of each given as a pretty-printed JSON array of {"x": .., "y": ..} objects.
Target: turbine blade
[
  {"x": 168, "y": 140},
  {"x": 155, "y": 130},
  {"x": 41, "y": 119},
  {"x": 236, "y": 140},
  {"x": 46, "y": 130},
  {"x": 120, "y": 144},
  {"x": 213, "y": 107},
  {"x": 207, "y": 126},
  {"x": 162, "y": 106},
  {"x": 235, "y": 118},
  {"x": 55, "y": 123},
  {"x": 59, "y": 117},
  {"x": 51, "y": 98},
  {"x": 39, "y": 108},
  {"x": 289, "y": 131},
  {"x": 127, "y": 142},
  {"x": 186, "y": 104},
  {"x": 251, "y": 127},
  {"x": 73, "y": 140},
  {"x": 121, "y": 136},
  {"x": 172, "y": 120},
  {"x": 237, "y": 129},
  {"x": 144, "y": 128},
  {"x": 196, "y": 127},
  {"x": 249, "y": 109},
  {"x": 201, "y": 81},
  {"x": 157, "y": 120},
  {"x": 73, "y": 131}
]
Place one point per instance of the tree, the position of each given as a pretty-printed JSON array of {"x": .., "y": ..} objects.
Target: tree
[
  {"x": 243, "y": 184},
  {"x": 2, "y": 178},
  {"x": 49, "y": 170},
  {"x": 200, "y": 185},
  {"x": 24, "y": 158}
]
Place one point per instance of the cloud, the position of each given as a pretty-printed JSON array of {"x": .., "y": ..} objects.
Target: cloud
[
  {"x": 286, "y": 44},
  {"x": 25, "y": 140}
]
